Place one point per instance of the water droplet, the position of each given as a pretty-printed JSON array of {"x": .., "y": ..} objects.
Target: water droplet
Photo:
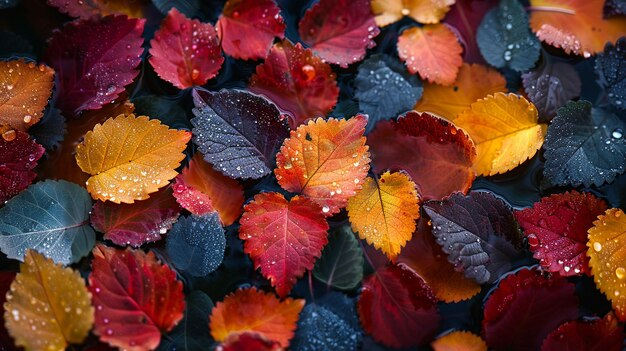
[
  {"x": 597, "y": 246},
  {"x": 533, "y": 241},
  {"x": 325, "y": 209},
  {"x": 620, "y": 272},
  {"x": 617, "y": 133}
]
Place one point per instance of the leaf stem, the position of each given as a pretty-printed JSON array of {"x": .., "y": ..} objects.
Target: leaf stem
[{"x": 551, "y": 9}]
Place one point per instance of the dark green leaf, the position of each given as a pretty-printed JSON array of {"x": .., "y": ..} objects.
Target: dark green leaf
[
  {"x": 168, "y": 111},
  {"x": 341, "y": 263},
  {"x": 611, "y": 72},
  {"x": 189, "y": 8},
  {"x": 49, "y": 132},
  {"x": 12, "y": 45},
  {"x": 192, "y": 333}
]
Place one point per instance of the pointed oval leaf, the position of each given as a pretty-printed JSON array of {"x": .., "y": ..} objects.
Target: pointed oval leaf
[
  {"x": 584, "y": 145},
  {"x": 397, "y": 308},
  {"x": 459, "y": 341},
  {"x": 251, "y": 310},
  {"x": 432, "y": 51},
  {"x": 525, "y": 308},
  {"x": 423, "y": 11},
  {"x": 94, "y": 60},
  {"x": 576, "y": 26},
  {"x": 384, "y": 212},
  {"x": 48, "y": 306},
  {"x": 192, "y": 333},
  {"x": 283, "y": 238},
  {"x": 238, "y": 132},
  {"x": 18, "y": 158},
  {"x": 472, "y": 83},
  {"x": 607, "y": 259},
  {"x": 247, "y": 28},
  {"x": 130, "y": 157},
  {"x": 185, "y": 52},
  {"x": 437, "y": 155},
  {"x": 506, "y": 132},
  {"x": 24, "y": 92},
  {"x": 327, "y": 161},
  {"x": 136, "y": 224},
  {"x": 136, "y": 298},
  {"x": 296, "y": 80},
  {"x": 196, "y": 244},
  {"x": 51, "y": 217},
  {"x": 200, "y": 189},
  {"x": 341, "y": 38},
  {"x": 611, "y": 72},
  {"x": 556, "y": 229},
  {"x": 597, "y": 335},
  {"x": 341, "y": 263},
  {"x": 478, "y": 232},
  {"x": 505, "y": 40}
]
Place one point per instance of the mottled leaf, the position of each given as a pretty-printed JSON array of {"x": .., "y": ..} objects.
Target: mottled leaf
[
  {"x": 459, "y": 341},
  {"x": 423, "y": 11},
  {"x": 341, "y": 263},
  {"x": 604, "y": 334},
  {"x": 192, "y": 333},
  {"x": 18, "y": 157},
  {"x": 611, "y": 72}
]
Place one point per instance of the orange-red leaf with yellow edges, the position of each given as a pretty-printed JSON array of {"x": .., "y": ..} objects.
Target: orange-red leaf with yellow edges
[{"x": 423, "y": 11}]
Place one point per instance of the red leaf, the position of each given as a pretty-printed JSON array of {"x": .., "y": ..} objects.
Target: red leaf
[
  {"x": 200, "y": 189},
  {"x": 136, "y": 298},
  {"x": 397, "y": 308},
  {"x": 464, "y": 19},
  {"x": 556, "y": 228},
  {"x": 249, "y": 341},
  {"x": 185, "y": 52},
  {"x": 139, "y": 223},
  {"x": 18, "y": 156},
  {"x": 339, "y": 31},
  {"x": 437, "y": 155},
  {"x": 247, "y": 28},
  {"x": 525, "y": 307},
  {"x": 597, "y": 335},
  {"x": 283, "y": 238},
  {"x": 297, "y": 81},
  {"x": 94, "y": 61}
]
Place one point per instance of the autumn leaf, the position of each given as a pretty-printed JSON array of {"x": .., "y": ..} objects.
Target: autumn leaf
[
  {"x": 130, "y": 157},
  {"x": 432, "y": 51},
  {"x": 588, "y": 335},
  {"x": 283, "y": 238},
  {"x": 341, "y": 38},
  {"x": 607, "y": 259},
  {"x": 136, "y": 224},
  {"x": 249, "y": 341},
  {"x": 200, "y": 189},
  {"x": 506, "y": 132},
  {"x": 96, "y": 8},
  {"x": 473, "y": 82},
  {"x": 24, "y": 92},
  {"x": 251, "y": 310},
  {"x": 48, "y": 306},
  {"x": 325, "y": 160},
  {"x": 247, "y": 28},
  {"x": 297, "y": 81},
  {"x": 423, "y": 11},
  {"x": 384, "y": 212},
  {"x": 136, "y": 298},
  {"x": 576, "y": 26},
  {"x": 436, "y": 154},
  {"x": 464, "y": 18},
  {"x": 459, "y": 341},
  {"x": 18, "y": 158},
  {"x": 185, "y": 52}
]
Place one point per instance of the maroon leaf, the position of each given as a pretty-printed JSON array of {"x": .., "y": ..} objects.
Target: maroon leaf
[
  {"x": 247, "y": 28},
  {"x": 525, "y": 308},
  {"x": 139, "y": 223},
  {"x": 339, "y": 31},
  {"x": 94, "y": 60},
  {"x": 18, "y": 156},
  {"x": 185, "y": 52},
  {"x": 464, "y": 19},
  {"x": 556, "y": 228},
  {"x": 249, "y": 341},
  {"x": 397, "y": 308},
  {"x": 598, "y": 335}
]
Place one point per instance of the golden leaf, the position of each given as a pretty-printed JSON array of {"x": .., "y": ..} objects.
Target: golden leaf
[
  {"x": 459, "y": 341},
  {"x": 423, "y": 11},
  {"x": 130, "y": 157}
]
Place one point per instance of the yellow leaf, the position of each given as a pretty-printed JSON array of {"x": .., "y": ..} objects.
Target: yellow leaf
[
  {"x": 48, "y": 306},
  {"x": 423, "y": 11},
  {"x": 459, "y": 341},
  {"x": 384, "y": 212},
  {"x": 24, "y": 92},
  {"x": 130, "y": 157},
  {"x": 506, "y": 132},
  {"x": 607, "y": 257},
  {"x": 473, "y": 82}
]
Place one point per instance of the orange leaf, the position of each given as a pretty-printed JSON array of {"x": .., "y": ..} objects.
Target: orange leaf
[
  {"x": 473, "y": 82},
  {"x": 607, "y": 257},
  {"x": 576, "y": 26},
  {"x": 433, "y": 51},
  {"x": 130, "y": 157},
  {"x": 201, "y": 189},
  {"x": 423, "y": 11},
  {"x": 24, "y": 92},
  {"x": 325, "y": 160},
  {"x": 459, "y": 341},
  {"x": 48, "y": 306},
  {"x": 506, "y": 132},
  {"x": 384, "y": 211},
  {"x": 251, "y": 310}
]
